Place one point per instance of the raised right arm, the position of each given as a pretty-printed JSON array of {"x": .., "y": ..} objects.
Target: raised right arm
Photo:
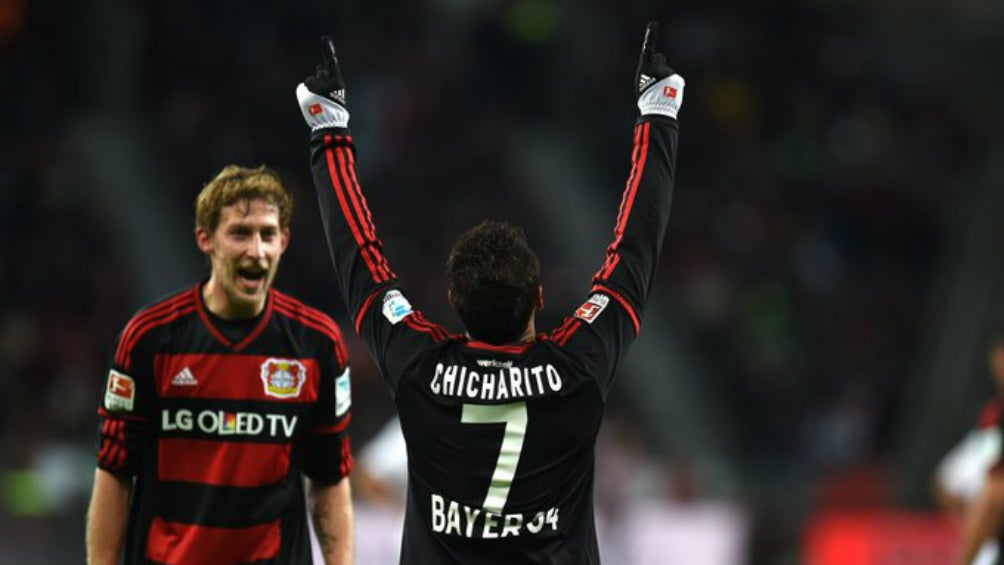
[{"x": 384, "y": 319}]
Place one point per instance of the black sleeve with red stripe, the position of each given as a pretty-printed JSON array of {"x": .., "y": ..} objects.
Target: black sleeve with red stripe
[
  {"x": 325, "y": 449},
  {"x": 125, "y": 423},
  {"x": 361, "y": 269},
  {"x": 628, "y": 272},
  {"x": 357, "y": 253}
]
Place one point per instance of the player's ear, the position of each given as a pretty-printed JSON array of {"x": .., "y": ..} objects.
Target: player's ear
[
  {"x": 538, "y": 299},
  {"x": 203, "y": 240},
  {"x": 449, "y": 298},
  {"x": 285, "y": 238}
]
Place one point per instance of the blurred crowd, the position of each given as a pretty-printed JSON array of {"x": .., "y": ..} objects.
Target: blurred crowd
[{"x": 819, "y": 169}]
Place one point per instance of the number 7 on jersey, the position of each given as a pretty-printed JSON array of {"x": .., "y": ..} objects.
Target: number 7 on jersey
[{"x": 515, "y": 418}]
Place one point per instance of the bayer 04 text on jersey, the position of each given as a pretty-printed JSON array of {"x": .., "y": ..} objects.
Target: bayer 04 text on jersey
[{"x": 453, "y": 518}]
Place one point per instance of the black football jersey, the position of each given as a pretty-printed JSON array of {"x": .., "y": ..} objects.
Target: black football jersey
[
  {"x": 500, "y": 438},
  {"x": 217, "y": 432}
]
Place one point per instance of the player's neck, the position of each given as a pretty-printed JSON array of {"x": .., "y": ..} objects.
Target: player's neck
[
  {"x": 220, "y": 304},
  {"x": 529, "y": 334}
]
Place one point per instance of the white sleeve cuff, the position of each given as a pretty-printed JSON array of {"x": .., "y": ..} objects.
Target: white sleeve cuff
[
  {"x": 664, "y": 97},
  {"x": 320, "y": 112}
]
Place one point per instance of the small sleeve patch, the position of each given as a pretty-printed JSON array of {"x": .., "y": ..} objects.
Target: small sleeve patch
[
  {"x": 592, "y": 307},
  {"x": 395, "y": 306},
  {"x": 343, "y": 393},
  {"x": 120, "y": 394}
]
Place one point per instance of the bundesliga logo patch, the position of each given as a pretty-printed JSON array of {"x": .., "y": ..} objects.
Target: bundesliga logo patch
[
  {"x": 283, "y": 378},
  {"x": 592, "y": 307},
  {"x": 343, "y": 393},
  {"x": 395, "y": 306},
  {"x": 120, "y": 393}
]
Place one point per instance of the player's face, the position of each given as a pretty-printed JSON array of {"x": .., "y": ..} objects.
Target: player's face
[{"x": 244, "y": 254}]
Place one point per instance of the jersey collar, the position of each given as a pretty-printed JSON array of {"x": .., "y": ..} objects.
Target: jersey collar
[{"x": 200, "y": 307}]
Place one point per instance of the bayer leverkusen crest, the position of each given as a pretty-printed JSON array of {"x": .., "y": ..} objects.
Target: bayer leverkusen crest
[{"x": 283, "y": 378}]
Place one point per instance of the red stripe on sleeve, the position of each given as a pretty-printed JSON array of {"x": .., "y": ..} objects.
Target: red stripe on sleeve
[
  {"x": 623, "y": 302},
  {"x": 222, "y": 463},
  {"x": 345, "y": 467},
  {"x": 440, "y": 332},
  {"x": 362, "y": 213},
  {"x": 366, "y": 306},
  {"x": 172, "y": 543},
  {"x": 627, "y": 201},
  {"x": 416, "y": 322},
  {"x": 416, "y": 325},
  {"x": 568, "y": 334},
  {"x": 114, "y": 445},
  {"x": 128, "y": 417},
  {"x": 365, "y": 217},
  {"x": 336, "y": 184},
  {"x": 556, "y": 334},
  {"x": 123, "y": 449},
  {"x": 105, "y": 444}
]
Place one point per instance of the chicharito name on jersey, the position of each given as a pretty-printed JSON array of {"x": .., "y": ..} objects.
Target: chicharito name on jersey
[{"x": 495, "y": 381}]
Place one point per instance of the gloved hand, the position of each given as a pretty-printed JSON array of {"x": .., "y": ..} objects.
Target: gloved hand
[
  {"x": 659, "y": 88},
  {"x": 322, "y": 95}
]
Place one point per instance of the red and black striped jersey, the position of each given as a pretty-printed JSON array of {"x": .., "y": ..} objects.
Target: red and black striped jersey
[
  {"x": 217, "y": 432},
  {"x": 500, "y": 439}
]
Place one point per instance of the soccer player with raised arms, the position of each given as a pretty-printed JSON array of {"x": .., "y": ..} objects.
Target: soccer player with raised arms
[{"x": 501, "y": 422}]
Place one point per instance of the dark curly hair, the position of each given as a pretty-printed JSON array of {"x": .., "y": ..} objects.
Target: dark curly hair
[{"x": 493, "y": 276}]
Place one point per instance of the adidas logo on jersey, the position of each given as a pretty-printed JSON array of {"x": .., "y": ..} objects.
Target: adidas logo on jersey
[
  {"x": 644, "y": 81},
  {"x": 184, "y": 378}
]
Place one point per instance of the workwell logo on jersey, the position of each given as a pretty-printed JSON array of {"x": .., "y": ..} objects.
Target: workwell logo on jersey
[
  {"x": 592, "y": 307},
  {"x": 395, "y": 306},
  {"x": 120, "y": 393},
  {"x": 283, "y": 378}
]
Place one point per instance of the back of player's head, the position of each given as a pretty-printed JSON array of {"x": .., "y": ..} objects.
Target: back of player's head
[
  {"x": 493, "y": 276},
  {"x": 235, "y": 184}
]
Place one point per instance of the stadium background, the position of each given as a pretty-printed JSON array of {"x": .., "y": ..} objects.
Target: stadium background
[{"x": 829, "y": 278}]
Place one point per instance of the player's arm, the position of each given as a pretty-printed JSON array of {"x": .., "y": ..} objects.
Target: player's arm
[
  {"x": 331, "y": 511},
  {"x": 381, "y": 315},
  {"x": 124, "y": 413},
  {"x": 357, "y": 253},
  {"x": 984, "y": 517},
  {"x": 106, "y": 518},
  {"x": 324, "y": 449},
  {"x": 622, "y": 285}
]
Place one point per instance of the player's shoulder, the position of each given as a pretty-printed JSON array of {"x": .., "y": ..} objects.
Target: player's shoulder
[
  {"x": 304, "y": 314},
  {"x": 164, "y": 309},
  {"x": 153, "y": 318}
]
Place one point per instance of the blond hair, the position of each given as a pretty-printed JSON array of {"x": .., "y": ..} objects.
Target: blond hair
[{"x": 234, "y": 184}]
